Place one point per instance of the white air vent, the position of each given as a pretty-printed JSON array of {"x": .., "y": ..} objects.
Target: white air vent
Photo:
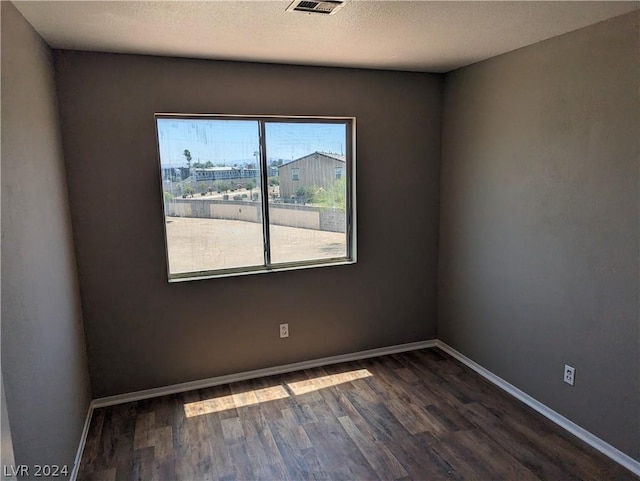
[{"x": 327, "y": 7}]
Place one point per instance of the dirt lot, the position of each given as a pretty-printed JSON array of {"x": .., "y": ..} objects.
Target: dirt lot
[{"x": 203, "y": 244}]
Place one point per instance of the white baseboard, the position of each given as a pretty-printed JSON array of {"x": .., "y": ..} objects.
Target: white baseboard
[
  {"x": 592, "y": 440},
  {"x": 83, "y": 442},
  {"x": 581, "y": 433},
  {"x": 270, "y": 371}
]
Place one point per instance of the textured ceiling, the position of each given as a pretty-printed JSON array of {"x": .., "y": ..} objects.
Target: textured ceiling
[{"x": 418, "y": 35}]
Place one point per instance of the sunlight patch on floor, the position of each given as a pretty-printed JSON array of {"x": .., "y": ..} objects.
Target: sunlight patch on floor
[
  {"x": 232, "y": 401},
  {"x": 310, "y": 385},
  {"x": 257, "y": 396}
]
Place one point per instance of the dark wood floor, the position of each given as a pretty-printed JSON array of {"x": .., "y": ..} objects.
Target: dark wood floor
[{"x": 414, "y": 416}]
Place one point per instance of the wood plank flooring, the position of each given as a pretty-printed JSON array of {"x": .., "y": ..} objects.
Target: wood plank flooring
[{"x": 419, "y": 415}]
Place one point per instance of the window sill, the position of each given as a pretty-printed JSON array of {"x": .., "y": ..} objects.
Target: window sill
[{"x": 197, "y": 276}]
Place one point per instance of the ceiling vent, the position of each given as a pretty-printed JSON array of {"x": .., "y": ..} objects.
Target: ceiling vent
[{"x": 328, "y": 7}]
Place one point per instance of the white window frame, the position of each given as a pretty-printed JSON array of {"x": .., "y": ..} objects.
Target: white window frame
[{"x": 268, "y": 266}]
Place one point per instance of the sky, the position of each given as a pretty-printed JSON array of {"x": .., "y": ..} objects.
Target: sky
[{"x": 236, "y": 141}]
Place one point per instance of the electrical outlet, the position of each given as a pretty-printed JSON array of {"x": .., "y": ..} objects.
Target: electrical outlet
[
  {"x": 284, "y": 330},
  {"x": 569, "y": 374}
]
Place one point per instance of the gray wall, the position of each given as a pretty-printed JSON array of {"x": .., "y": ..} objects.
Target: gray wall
[
  {"x": 538, "y": 261},
  {"x": 143, "y": 332},
  {"x": 44, "y": 364}
]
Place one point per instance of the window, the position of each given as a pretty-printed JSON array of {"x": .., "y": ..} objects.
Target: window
[{"x": 241, "y": 206}]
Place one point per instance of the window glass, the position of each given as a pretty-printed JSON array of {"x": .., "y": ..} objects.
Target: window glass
[
  {"x": 308, "y": 220},
  {"x": 211, "y": 200}
]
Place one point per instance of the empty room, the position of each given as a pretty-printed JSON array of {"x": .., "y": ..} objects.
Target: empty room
[{"x": 320, "y": 240}]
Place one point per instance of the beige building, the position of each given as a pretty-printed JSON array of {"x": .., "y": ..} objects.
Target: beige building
[{"x": 317, "y": 169}]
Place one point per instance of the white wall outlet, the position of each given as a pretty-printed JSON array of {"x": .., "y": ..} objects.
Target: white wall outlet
[
  {"x": 569, "y": 374},
  {"x": 284, "y": 330}
]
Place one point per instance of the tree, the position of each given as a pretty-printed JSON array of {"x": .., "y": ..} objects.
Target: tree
[
  {"x": 187, "y": 191},
  {"x": 301, "y": 194},
  {"x": 187, "y": 155},
  {"x": 208, "y": 164},
  {"x": 334, "y": 197},
  {"x": 250, "y": 186}
]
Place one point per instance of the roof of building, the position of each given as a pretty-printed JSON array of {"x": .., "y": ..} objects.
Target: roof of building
[{"x": 339, "y": 157}]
